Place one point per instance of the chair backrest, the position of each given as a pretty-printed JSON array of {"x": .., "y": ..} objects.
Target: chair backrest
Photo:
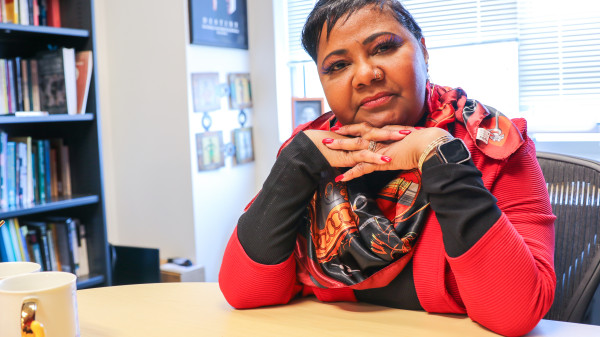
[
  {"x": 574, "y": 188},
  {"x": 134, "y": 265}
]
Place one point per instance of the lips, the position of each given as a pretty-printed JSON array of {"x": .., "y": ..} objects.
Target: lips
[{"x": 376, "y": 100}]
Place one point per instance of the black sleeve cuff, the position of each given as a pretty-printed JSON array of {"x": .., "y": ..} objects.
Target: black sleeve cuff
[
  {"x": 267, "y": 231},
  {"x": 465, "y": 209}
]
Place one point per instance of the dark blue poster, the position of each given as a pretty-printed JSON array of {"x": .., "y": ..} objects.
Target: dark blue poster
[{"x": 220, "y": 23}]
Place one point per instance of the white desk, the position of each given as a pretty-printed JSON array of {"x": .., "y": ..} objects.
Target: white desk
[{"x": 199, "y": 309}]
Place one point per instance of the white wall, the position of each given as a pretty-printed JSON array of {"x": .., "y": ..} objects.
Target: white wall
[
  {"x": 155, "y": 197},
  {"x": 143, "y": 100}
]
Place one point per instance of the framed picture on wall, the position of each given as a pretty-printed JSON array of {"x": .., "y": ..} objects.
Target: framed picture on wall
[
  {"x": 209, "y": 148},
  {"x": 219, "y": 23},
  {"x": 206, "y": 92},
  {"x": 305, "y": 110},
  {"x": 240, "y": 91},
  {"x": 244, "y": 149}
]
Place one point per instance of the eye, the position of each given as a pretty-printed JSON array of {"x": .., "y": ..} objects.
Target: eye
[
  {"x": 388, "y": 43},
  {"x": 334, "y": 67}
]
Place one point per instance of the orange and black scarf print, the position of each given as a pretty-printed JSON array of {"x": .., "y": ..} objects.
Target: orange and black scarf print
[{"x": 361, "y": 234}]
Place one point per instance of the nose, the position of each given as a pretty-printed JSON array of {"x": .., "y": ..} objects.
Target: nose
[{"x": 364, "y": 74}]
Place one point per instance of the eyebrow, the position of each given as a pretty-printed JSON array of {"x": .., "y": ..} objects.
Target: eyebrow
[{"x": 366, "y": 41}]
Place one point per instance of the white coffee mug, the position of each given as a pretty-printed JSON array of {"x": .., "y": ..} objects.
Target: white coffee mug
[
  {"x": 39, "y": 304},
  {"x": 8, "y": 269}
]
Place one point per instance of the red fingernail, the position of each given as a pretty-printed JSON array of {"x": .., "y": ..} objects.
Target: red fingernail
[
  {"x": 419, "y": 127},
  {"x": 405, "y": 132},
  {"x": 327, "y": 140},
  {"x": 338, "y": 178},
  {"x": 386, "y": 159},
  {"x": 335, "y": 128}
]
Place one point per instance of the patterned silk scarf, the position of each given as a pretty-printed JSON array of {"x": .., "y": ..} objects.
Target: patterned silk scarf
[{"x": 360, "y": 234}]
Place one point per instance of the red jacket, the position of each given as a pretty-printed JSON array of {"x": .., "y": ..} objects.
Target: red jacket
[{"x": 505, "y": 282}]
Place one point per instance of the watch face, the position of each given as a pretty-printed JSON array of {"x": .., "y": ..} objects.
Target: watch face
[{"x": 454, "y": 151}]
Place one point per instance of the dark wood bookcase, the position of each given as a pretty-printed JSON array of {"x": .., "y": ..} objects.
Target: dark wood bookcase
[{"x": 80, "y": 132}]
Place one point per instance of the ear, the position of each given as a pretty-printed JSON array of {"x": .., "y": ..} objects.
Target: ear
[{"x": 424, "y": 49}]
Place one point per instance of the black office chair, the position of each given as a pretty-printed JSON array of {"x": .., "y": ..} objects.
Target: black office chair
[
  {"x": 574, "y": 188},
  {"x": 134, "y": 265}
]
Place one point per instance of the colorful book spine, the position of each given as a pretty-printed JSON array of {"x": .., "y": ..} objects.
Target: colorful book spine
[
  {"x": 42, "y": 171},
  {"x": 12, "y": 173},
  {"x": 3, "y": 170},
  {"x": 13, "y": 238},
  {"x": 9, "y": 255}
]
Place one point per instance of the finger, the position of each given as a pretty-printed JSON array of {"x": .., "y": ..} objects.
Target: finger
[
  {"x": 358, "y": 170},
  {"x": 353, "y": 158},
  {"x": 385, "y": 134}
]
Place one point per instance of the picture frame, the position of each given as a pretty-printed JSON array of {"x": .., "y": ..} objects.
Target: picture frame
[
  {"x": 210, "y": 150},
  {"x": 206, "y": 92},
  {"x": 240, "y": 91},
  {"x": 305, "y": 110},
  {"x": 219, "y": 23},
  {"x": 244, "y": 145}
]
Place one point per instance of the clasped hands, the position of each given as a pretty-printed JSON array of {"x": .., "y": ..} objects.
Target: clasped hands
[{"x": 398, "y": 147}]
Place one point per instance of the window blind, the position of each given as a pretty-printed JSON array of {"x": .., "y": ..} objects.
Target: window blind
[
  {"x": 559, "y": 55},
  {"x": 458, "y": 22},
  {"x": 298, "y": 11}
]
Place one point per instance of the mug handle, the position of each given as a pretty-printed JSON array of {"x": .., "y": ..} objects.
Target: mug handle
[{"x": 29, "y": 326}]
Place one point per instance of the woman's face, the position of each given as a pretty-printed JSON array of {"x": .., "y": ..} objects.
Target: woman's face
[{"x": 372, "y": 40}]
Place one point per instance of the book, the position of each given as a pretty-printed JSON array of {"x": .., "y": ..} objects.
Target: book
[
  {"x": 42, "y": 171},
  {"x": 33, "y": 247},
  {"x": 35, "y": 86},
  {"x": 11, "y": 10},
  {"x": 51, "y": 249},
  {"x": 23, "y": 230},
  {"x": 53, "y": 13},
  {"x": 25, "y": 85},
  {"x": 46, "y": 144},
  {"x": 65, "y": 167},
  {"x": 7, "y": 247},
  {"x": 57, "y": 81},
  {"x": 84, "y": 62},
  {"x": 42, "y": 13},
  {"x": 3, "y": 170},
  {"x": 53, "y": 173},
  {"x": 11, "y": 91},
  {"x": 84, "y": 268},
  {"x": 65, "y": 256},
  {"x": 19, "y": 239},
  {"x": 21, "y": 173},
  {"x": 35, "y": 13},
  {"x": 3, "y": 88},
  {"x": 3, "y": 248},
  {"x": 39, "y": 229},
  {"x": 26, "y": 164},
  {"x": 18, "y": 83},
  {"x": 11, "y": 151},
  {"x": 23, "y": 12},
  {"x": 13, "y": 239}
]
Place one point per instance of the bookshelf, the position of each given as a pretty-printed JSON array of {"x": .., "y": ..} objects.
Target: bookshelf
[{"x": 80, "y": 132}]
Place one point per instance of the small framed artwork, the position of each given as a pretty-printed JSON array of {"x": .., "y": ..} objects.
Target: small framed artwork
[
  {"x": 209, "y": 148},
  {"x": 206, "y": 92},
  {"x": 219, "y": 23},
  {"x": 240, "y": 92},
  {"x": 244, "y": 149},
  {"x": 305, "y": 110}
]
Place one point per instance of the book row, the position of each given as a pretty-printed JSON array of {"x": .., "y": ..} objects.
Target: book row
[
  {"x": 54, "y": 82},
  {"x": 32, "y": 171},
  {"x": 31, "y": 12},
  {"x": 55, "y": 243}
]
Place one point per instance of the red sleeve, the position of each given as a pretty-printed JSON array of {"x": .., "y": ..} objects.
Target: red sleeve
[
  {"x": 506, "y": 280},
  {"x": 248, "y": 284}
]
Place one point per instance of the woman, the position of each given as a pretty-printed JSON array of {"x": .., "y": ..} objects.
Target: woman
[{"x": 406, "y": 194}]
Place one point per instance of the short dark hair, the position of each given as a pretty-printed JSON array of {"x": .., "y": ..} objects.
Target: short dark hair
[{"x": 331, "y": 11}]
